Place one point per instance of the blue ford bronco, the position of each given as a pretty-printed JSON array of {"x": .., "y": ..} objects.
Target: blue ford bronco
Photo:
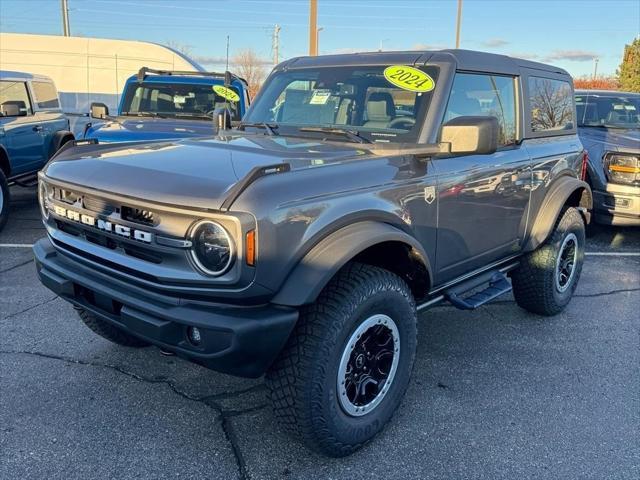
[
  {"x": 159, "y": 105},
  {"x": 32, "y": 129},
  {"x": 358, "y": 191}
]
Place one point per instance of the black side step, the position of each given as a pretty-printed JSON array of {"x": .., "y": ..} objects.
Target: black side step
[
  {"x": 498, "y": 284},
  {"x": 28, "y": 180}
]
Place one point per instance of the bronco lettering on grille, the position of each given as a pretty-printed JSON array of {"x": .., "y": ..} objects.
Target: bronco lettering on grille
[{"x": 103, "y": 225}]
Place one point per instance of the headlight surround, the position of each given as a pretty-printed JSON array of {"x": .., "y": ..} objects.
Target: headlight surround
[
  {"x": 212, "y": 250},
  {"x": 44, "y": 194},
  {"x": 623, "y": 168}
]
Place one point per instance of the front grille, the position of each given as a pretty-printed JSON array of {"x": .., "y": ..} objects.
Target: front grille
[
  {"x": 98, "y": 238},
  {"x": 101, "y": 261}
]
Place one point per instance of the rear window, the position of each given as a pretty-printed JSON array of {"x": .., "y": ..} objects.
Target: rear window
[
  {"x": 46, "y": 95},
  {"x": 551, "y": 105}
]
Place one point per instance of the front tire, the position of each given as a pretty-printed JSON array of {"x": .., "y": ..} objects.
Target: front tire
[
  {"x": 547, "y": 277},
  {"x": 108, "y": 331},
  {"x": 5, "y": 198},
  {"x": 347, "y": 364}
]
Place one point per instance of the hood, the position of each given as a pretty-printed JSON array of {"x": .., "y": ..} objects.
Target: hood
[
  {"x": 610, "y": 139},
  {"x": 194, "y": 172},
  {"x": 131, "y": 129}
]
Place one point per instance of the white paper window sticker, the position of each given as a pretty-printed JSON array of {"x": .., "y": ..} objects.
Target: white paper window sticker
[{"x": 320, "y": 97}]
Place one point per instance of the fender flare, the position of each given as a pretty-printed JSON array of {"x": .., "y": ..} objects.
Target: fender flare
[
  {"x": 565, "y": 190},
  {"x": 322, "y": 262},
  {"x": 59, "y": 139}
]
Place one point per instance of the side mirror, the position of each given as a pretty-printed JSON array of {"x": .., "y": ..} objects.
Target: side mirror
[
  {"x": 14, "y": 108},
  {"x": 471, "y": 135},
  {"x": 222, "y": 119},
  {"x": 99, "y": 110}
]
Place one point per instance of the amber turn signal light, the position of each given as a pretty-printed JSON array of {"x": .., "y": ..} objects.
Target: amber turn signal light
[{"x": 251, "y": 248}]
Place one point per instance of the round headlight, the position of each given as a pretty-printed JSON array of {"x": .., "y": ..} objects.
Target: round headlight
[
  {"x": 212, "y": 250},
  {"x": 43, "y": 199}
]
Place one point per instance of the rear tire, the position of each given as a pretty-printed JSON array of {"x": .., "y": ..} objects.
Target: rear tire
[
  {"x": 108, "y": 331},
  {"x": 5, "y": 198},
  {"x": 547, "y": 277},
  {"x": 360, "y": 336}
]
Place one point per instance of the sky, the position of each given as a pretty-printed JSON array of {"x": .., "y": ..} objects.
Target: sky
[{"x": 567, "y": 33}]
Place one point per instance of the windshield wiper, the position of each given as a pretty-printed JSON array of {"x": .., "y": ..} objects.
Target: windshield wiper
[
  {"x": 268, "y": 127},
  {"x": 147, "y": 114},
  {"x": 352, "y": 135}
]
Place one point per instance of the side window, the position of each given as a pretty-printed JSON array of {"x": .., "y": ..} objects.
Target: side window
[
  {"x": 551, "y": 104},
  {"x": 46, "y": 95},
  {"x": 14, "y": 99},
  {"x": 485, "y": 95}
]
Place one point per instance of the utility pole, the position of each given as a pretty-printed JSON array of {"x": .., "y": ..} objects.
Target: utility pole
[
  {"x": 275, "y": 45},
  {"x": 313, "y": 27},
  {"x": 65, "y": 18},
  {"x": 458, "y": 23},
  {"x": 595, "y": 67}
]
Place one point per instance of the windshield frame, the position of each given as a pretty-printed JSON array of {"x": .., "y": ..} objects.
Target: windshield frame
[
  {"x": 265, "y": 102},
  {"x": 623, "y": 97},
  {"x": 132, "y": 85}
]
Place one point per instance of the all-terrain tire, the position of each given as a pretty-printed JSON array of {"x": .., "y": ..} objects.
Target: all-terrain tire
[
  {"x": 5, "y": 198},
  {"x": 108, "y": 331},
  {"x": 536, "y": 287},
  {"x": 302, "y": 383}
]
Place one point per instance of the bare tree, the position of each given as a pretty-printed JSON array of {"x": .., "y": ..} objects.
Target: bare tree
[
  {"x": 183, "y": 48},
  {"x": 251, "y": 67},
  {"x": 551, "y": 103}
]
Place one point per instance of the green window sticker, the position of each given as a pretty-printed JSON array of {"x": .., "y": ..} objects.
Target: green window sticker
[
  {"x": 409, "y": 78},
  {"x": 226, "y": 93}
]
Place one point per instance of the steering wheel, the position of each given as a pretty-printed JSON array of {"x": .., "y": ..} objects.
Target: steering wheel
[{"x": 408, "y": 121}]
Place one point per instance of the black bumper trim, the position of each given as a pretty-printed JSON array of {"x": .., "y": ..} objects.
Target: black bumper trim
[{"x": 241, "y": 341}]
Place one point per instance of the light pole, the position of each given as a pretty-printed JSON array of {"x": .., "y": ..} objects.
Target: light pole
[
  {"x": 318, "y": 40},
  {"x": 65, "y": 18}
]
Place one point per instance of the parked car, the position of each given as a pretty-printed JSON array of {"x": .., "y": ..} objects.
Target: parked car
[
  {"x": 304, "y": 243},
  {"x": 157, "y": 105},
  {"x": 32, "y": 129},
  {"x": 609, "y": 127}
]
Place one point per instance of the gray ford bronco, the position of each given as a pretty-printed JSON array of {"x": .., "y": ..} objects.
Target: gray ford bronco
[{"x": 358, "y": 191}]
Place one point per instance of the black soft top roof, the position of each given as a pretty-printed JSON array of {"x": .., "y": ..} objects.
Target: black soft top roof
[{"x": 465, "y": 60}]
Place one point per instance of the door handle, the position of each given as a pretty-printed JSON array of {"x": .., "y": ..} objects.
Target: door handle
[{"x": 37, "y": 128}]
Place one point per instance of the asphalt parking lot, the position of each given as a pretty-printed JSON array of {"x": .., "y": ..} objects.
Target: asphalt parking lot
[{"x": 496, "y": 393}]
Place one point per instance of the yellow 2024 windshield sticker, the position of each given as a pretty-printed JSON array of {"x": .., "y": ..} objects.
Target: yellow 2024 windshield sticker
[
  {"x": 409, "y": 78},
  {"x": 226, "y": 93}
]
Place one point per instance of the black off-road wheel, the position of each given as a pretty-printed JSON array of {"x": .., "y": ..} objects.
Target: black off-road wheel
[
  {"x": 5, "y": 197},
  {"x": 108, "y": 331},
  {"x": 347, "y": 364},
  {"x": 547, "y": 277}
]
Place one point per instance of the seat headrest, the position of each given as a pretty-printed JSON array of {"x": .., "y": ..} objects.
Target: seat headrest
[{"x": 380, "y": 106}]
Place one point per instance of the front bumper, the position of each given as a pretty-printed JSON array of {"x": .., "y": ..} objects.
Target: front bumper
[
  {"x": 617, "y": 205},
  {"x": 241, "y": 341}
]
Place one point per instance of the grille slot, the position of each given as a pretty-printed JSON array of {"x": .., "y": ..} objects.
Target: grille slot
[
  {"x": 137, "y": 215},
  {"x": 97, "y": 205}
]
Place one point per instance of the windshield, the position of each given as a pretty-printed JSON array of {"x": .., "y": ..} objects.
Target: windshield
[
  {"x": 194, "y": 101},
  {"x": 608, "y": 110},
  {"x": 361, "y": 99}
]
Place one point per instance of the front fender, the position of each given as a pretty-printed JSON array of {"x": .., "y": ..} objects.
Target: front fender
[
  {"x": 564, "y": 191},
  {"x": 322, "y": 262}
]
